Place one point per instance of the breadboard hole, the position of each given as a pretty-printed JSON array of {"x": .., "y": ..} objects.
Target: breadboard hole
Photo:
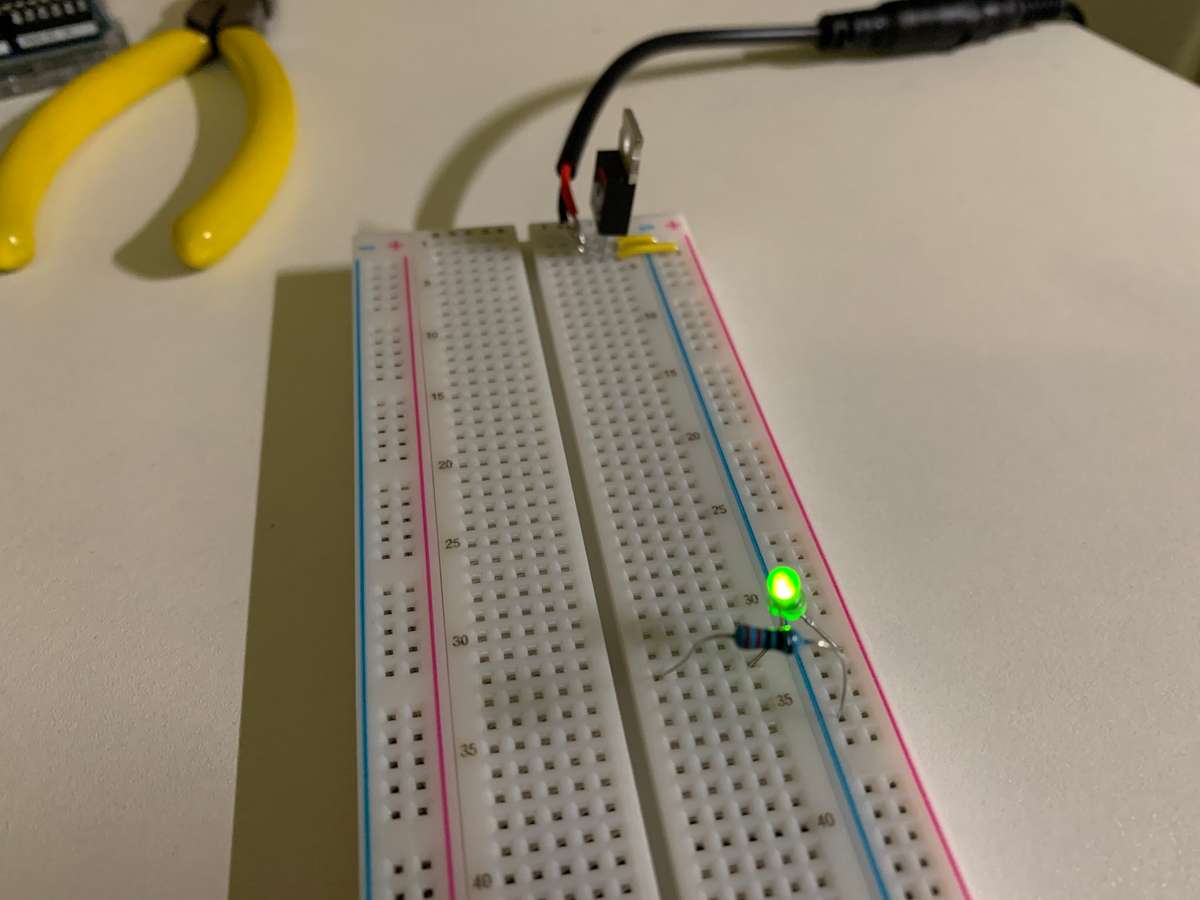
[{"x": 411, "y": 878}]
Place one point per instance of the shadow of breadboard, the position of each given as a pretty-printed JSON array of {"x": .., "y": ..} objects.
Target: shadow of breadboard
[{"x": 295, "y": 812}]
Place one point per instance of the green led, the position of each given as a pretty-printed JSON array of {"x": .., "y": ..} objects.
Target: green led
[{"x": 786, "y": 593}]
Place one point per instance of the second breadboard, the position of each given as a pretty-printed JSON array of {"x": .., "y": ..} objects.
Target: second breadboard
[{"x": 765, "y": 781}]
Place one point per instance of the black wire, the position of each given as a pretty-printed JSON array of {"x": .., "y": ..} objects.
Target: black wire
[
  {"x": 581, "y": 127},
  {"x": 577, "y": 137}
]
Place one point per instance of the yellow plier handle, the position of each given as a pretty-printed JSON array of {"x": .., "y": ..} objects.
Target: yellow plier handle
[
  {"x": 219, "y": 219},
  {"x": 223, "y": 216}
]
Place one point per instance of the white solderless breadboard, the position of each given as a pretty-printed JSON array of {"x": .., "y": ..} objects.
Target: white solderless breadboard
[
  {"x": 764, "y": 790},
  {"x": 493, "y": 762},
  {"x": 503, "y": 755}
]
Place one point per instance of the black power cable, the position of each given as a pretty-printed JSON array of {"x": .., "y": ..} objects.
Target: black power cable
[
  {"x": 901, "y": 26},
  {"x": 663, "y": 43}
]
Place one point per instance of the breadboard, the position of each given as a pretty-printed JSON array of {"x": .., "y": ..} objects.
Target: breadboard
[
  {"x": 766, "y": 790},
  {"x": 493, "y": 761},
  {"x": 494, "y": 675}
]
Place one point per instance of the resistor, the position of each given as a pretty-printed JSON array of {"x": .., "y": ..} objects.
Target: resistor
[
  {"x": 749, "y": 637},
  {"x": 764, "y": 640}
]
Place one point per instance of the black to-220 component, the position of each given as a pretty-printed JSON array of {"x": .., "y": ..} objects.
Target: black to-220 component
[
  {"x": 616, "y": 179},
  {"x": 612, "y": 194}
]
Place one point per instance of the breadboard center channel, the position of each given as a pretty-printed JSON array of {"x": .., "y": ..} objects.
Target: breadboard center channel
[{"x": 537, "y": 544}]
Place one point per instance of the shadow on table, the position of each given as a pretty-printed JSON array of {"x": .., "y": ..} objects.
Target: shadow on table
[
  {"x": 295, "y": 812},
  {"x": 9, "y": 130}
]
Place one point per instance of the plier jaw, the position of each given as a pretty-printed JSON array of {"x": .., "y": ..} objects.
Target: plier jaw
[{"x": 210, "y": 16}]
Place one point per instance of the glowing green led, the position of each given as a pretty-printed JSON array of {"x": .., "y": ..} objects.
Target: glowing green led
[{"x": 786, "y": 593}]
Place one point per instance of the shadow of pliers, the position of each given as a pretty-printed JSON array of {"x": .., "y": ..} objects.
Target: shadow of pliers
[{"x": 230, "y": 29}]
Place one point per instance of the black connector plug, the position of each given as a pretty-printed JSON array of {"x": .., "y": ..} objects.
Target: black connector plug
[{"x": 913, "y": 26}]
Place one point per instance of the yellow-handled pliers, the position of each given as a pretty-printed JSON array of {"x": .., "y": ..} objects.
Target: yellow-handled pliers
[{"x": 219, "y": 219}]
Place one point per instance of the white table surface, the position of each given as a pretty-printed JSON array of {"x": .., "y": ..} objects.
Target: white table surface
[{"x": 966, "y": 288}]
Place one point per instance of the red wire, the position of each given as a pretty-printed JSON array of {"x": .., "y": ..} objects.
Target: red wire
[{"x": 564, "y": 174}]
